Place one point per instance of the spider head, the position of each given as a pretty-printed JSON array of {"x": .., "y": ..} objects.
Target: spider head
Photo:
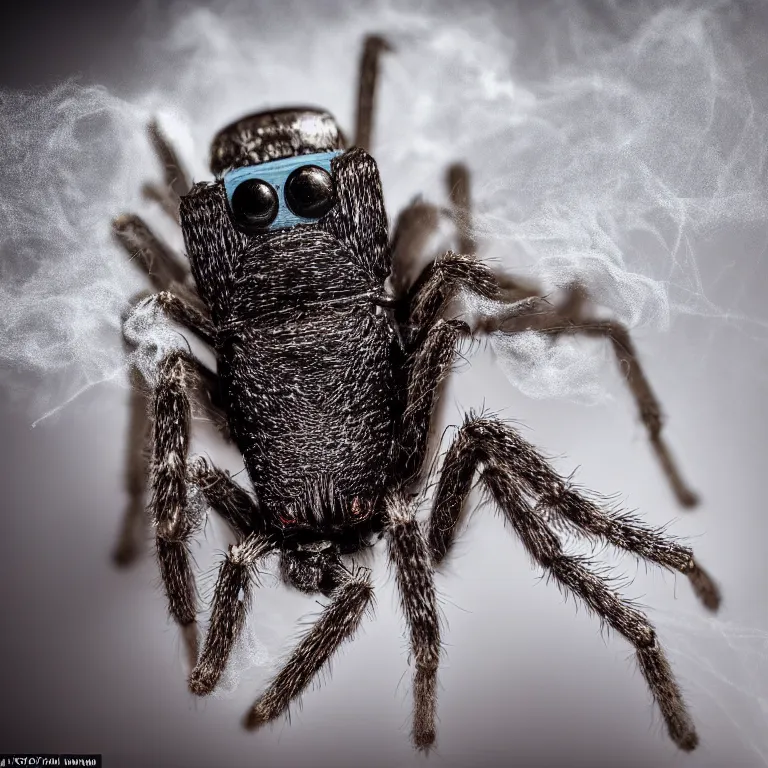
[{"x": 276, "y": 167}]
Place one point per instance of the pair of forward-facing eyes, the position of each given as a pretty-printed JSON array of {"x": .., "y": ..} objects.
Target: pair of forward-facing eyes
[{"x": 282, "y": 193}]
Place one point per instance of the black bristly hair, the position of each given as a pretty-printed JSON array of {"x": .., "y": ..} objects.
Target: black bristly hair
[{"x": 327, "y": 380}]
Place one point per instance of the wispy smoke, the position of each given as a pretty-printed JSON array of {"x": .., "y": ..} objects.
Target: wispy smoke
[{"x": 608, "y": 147}]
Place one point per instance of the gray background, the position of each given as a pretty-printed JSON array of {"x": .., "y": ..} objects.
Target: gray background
[{"x": 91, "y": 663}]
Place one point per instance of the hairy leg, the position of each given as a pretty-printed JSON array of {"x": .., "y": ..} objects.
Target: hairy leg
[
  {"x": 134, "y": 524},
  {"x": 156, "y": 259},
  {"x": 373, "y": 47},
  {"x": 457, "y": 179},
  {"x": 413, "y": 572},
  {"x": 171, "y": 514},
  {"x": 515, "y": 473},
  {"x": 445, "y": 277},
  {"x": 573, "y": 574},
  {"x": 430, "y": 364},
  {"x": 442, "y": 280},
  {"x": 569, "y": 319},
  {"x": 176, "y": 180},
  {"x": 230, "y": 604},
  {"x": 226, "y": 497},
  {"x": 338, "y": 622},
  {"x": 164, "y": 269},
  {"x": 140, "y": 331},
  {"x": 648, "y": 405},
  {"x": 137, "y": 465},
  {"x": 184, "y": 313},
  {"x": 491, "y": 443},
  {"x": 415, "y": 226}
]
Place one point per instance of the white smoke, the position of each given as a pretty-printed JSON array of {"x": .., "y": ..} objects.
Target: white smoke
[{"x": 606, "y": 147}]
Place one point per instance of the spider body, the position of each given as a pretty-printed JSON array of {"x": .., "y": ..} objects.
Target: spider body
[
  {"x": 309, "y": 352},
  {"x": 327, "y": 379}
]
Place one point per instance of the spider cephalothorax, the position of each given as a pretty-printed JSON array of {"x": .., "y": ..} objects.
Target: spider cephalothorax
[{"x": 327, "y": 379}]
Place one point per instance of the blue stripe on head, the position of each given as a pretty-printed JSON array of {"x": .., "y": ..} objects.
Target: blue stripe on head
[{"x": 275, "y": 174}]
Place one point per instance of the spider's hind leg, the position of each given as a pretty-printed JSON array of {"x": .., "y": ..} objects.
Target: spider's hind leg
[
  {"x": 373, "y": 47},
  {"x": 458, "y": 182},
  {"x": 489, "y": 442},
  {"x": 517, "y": 474},
  {"x": 648, "y": 406},
  {"x": 177, "y": 182},
  {"x": 573, "y": 574}
]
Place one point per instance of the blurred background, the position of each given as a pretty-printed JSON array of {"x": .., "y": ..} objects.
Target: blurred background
[{"x": 620, "y": 143}]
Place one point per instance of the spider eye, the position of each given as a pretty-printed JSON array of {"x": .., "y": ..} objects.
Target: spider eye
[
  {"x": 309, "y": 192},
  {"x": 255, "y": 204}
]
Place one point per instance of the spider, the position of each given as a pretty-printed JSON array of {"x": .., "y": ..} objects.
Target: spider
[{"x": 329, "y": 365}]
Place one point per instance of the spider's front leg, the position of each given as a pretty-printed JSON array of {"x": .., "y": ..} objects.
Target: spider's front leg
[
  {"x": 351, "y": 595},
  {"x": 230, "y": 605}
]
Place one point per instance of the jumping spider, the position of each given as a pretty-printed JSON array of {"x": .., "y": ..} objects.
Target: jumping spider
[{"x": 327, "y": 378}]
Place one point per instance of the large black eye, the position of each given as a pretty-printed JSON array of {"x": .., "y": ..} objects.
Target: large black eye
[
  {"x": 255, "y": 204},
  {"x": 309, "y": 192}
]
